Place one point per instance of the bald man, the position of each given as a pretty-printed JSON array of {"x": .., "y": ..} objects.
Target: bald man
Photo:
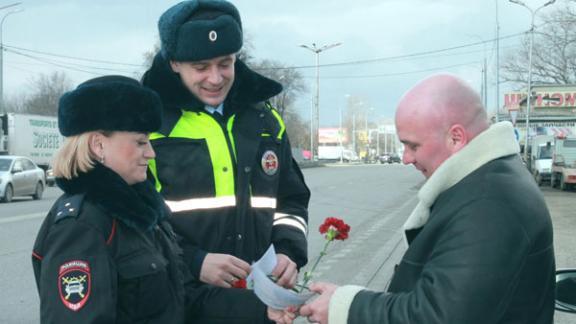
[{"x": 480, "y": 239}]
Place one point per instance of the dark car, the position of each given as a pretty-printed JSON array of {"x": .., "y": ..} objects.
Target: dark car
[
  {"x": 19, "y": 176},
  {"x": 384, "y": 158},
  {"x": 394, "y": 158}
]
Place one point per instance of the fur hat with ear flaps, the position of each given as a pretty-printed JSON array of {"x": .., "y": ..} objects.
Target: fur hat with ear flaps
[
  {"x": 109, "y": 103},
  {"x": 197, "y": 30}
]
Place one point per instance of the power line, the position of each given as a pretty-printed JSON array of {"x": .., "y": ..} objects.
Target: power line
[
  {"x": 71, "y": 57},
  {"x": 400, "y": 73},
  {"x": 52, "y": 63},
  {"x": 396, "y": 57},
  {"x": 69, "y": 65},
  {"x": 418, "y": 55},
  {"x": 357, "y": 62}
]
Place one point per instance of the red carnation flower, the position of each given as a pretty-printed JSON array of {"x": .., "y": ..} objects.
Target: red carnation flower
[
  {"x": 335, "y": 229},
  {"x": 240, "y": 283}
]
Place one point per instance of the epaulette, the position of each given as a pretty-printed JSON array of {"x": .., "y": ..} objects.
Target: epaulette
[{"x": 68, "y": 206}]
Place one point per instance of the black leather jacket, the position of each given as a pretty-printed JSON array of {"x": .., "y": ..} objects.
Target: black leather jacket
[{"x": 485, "y": 256}]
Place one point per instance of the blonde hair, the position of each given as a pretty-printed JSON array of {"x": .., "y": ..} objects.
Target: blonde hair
[{"x": 74, "y": 156}]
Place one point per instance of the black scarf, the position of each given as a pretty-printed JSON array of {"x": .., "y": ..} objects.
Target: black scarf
[{"x": 138, "y": 205}]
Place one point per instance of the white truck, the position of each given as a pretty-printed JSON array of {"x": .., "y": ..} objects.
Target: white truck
[
  {"x": 335, "y": 152},
  {"x": 564, "y": 163},
  {"x": 34, "y": 136},
  {"x": 540, "y": 162}
]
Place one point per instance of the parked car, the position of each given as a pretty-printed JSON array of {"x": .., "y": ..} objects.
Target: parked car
[
  {"x": 50, "y": 179},
  {"x": 384, "y": 158},
  {"x": 394, "y": 158},
  {"x": 389, "y": 158},
  {"x": 19, "y": 176}
]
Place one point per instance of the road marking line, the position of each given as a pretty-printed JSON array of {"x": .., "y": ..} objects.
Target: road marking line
[{"x": 21, "y": 218}]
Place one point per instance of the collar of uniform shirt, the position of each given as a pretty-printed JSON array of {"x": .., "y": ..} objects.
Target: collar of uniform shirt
[{"x": 211, "y": 110}]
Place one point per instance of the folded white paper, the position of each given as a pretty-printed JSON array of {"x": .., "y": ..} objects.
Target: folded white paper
[{"x": 267, "y": 290}]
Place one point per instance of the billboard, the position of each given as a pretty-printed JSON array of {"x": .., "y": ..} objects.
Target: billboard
[
  {"x": 541, "y": 99},
  {"x": 332, "y": 136}
]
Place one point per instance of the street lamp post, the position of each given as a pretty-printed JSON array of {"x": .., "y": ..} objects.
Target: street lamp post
[
  {"x": 529, "y": 95},
  {"x": 2, "y": 53},
  {"x": 340, "y": 137},
  {"x": 497, "y": 63},
  {"x": 316, "y": 119},
  {"x": 368, "y": 110}
]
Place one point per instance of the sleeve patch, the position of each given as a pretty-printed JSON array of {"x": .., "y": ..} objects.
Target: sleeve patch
[{"x": 74, "y": 284}]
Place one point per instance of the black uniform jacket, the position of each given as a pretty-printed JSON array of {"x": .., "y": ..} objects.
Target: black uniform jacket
[
  {"x": 266, "y": 198},
  {"x": 106, "y": 254},
  {"x": 456, "y": 269}
]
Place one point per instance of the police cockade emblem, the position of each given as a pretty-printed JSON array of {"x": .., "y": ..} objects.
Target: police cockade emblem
[
  {"x": 74, "y": 284},
  {"x": 270, "y": 163},
  {"x": 212, "y": 36}
]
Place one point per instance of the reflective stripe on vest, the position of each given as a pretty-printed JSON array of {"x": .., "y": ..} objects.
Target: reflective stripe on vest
[
  {"x": 201, "y": 203},
  {"x": 291, "y": 220},
  {"x": 263, "y": 202},
  {"x": 152, "y": 163},
  {"x": 154, "y": 171},
  {"x": 217, "y": 202}
]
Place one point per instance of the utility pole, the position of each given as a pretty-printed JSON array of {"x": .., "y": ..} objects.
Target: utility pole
[
  {"x": 497, "y": 64},
  {"x": 340, "y": 137},
  {"x": 529, "y": 95},
  {"x": 316, "y": 117},
  {"x": 2, "y": 52},
  {"x": 354, "y": 132}
]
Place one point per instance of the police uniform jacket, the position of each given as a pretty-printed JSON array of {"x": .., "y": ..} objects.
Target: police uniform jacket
[
  {"x": 106, "y": 254},
  {"x": 230, "y": 181}
]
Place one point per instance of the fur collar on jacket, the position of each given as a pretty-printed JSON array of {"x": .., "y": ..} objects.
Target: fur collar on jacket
[
  {"x": 495, "y": 142},
  {"x": 249, "y": 87},
  {"x": 138, "y": 206}
]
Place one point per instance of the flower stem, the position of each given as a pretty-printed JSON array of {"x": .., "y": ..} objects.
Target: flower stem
[{"x": 308, "y": 274}]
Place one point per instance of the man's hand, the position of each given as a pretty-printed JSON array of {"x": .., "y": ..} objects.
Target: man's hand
[
  {"x": 286, "y": 316},
  {"x": 317, "y": 310},
  {"x": 223, "y": 269},
  {"x": 285, "y": 271}
]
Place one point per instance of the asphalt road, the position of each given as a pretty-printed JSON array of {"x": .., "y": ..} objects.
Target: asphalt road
[{"x": 373, "y": 199}]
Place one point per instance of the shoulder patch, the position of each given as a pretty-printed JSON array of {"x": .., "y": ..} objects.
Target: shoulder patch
[
  {"x": 74, "y": 283},
  {"x": 68, "y": 206}
]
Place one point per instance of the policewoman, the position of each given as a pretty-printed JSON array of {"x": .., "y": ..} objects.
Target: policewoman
[
  {"x": 223, "y": 160},
  {"x": 106, "y": 253}
]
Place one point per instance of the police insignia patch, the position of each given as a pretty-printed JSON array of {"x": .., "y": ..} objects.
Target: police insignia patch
[
  {"x": 270, "y": 163},
  {"x": 74, "y": 284}
]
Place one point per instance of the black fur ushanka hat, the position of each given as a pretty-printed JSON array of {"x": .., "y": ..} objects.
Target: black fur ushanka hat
[
  {"x": 197, "y": 30},
  {"x": 109, "y": 103}
]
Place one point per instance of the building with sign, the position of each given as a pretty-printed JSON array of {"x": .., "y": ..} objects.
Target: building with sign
[{"x": 552, "y": 111}]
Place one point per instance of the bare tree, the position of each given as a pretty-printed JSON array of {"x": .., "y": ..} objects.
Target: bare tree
[
  {"x": 15, "y": 103},
  {"x": 553, "y": 54},
  {"x": 46, "y": 92},
  {"x": 298, "y": 129},
  {"x": 290, "y": 79}
]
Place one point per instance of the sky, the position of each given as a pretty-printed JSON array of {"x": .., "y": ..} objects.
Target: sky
[{"x": 378, "y": 60}]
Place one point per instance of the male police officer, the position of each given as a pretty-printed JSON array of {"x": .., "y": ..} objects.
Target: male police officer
[{"x": 223, "y": 160}]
